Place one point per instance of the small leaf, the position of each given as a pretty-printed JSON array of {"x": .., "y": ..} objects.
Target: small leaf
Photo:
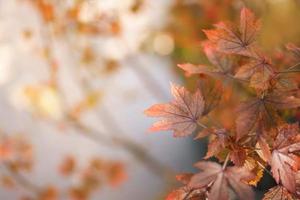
[
  {"x": 278, "y": 193},
  {"x": 220, "y": 180}
]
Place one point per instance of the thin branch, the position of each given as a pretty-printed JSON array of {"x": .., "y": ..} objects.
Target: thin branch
[
  {"x": 134, "y": 149},
  {"x": 294, "y": 66},
  {"x": 262, "y": 166},
  {"x": 289, "y": 71},
  {"x": 237, "y": 79},
  {"x": 148, "y": 81},
  {"x": 226, "y": 161},
  {"x": 201, "y": 125},
  {"x": 22, "y": 180}
]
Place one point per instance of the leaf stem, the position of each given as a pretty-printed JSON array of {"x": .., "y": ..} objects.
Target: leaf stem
[
  {"x": 237, "y": 79},
  {"x": 201, "y": 125},
  {"x": 186, "y": 197},
  {"x": 289, "y": 71},
  {"x": 226, "y": 161},
  {"x": 262, "y": 166},
  {"x": 294, "y": 66}
]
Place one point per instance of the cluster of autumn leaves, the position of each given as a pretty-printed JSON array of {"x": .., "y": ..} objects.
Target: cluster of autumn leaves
[{"x": 261, "y": 137}]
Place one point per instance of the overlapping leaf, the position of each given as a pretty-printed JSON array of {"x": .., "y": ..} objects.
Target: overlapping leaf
[
  {"x": 222, "y": 64},
  {"x": 181, "y": 115},
  {"x": 219, "y": 180},
  {"x": 217, "y": 143},
  {"x": 262, "y": 109},
  {"x": 221, "y": 141},
  {"x": 279, "y": 193},
  {"x": 252, "y": 164},
  {"x": 282, "y": 156},
  {"x": 236, "y": 40},
  {"x": 186, "y": 192},
  {"x": 259, "y": 70},
  {"x": 284, "y": 161}
]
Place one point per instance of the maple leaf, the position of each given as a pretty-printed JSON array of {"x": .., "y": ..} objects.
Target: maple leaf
[
  {"x": 259, "y": 70},
  {"x": 212, "y": 92},
  {"x": 181, "y": 115},
  {"x": 222, "y": 63},
  {"x": 186, "y": 192},
  {"x": 279, "y": 193},
  {"x": 262, "y": 109},
  {"x": 220, "y": 142},
  {"x": 284, "y": 162},
  {"x": 238, "y": 155},
  {"x": 217, "y": 144},
  {"x": 182, "y": 193},
  {"x": 250, "y": 113},
  {"x": 219, "y": 180},
  {"x": 233, "y": 40}
]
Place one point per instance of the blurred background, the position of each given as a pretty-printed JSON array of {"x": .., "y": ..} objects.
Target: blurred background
[{"x": 76, "y": 76}]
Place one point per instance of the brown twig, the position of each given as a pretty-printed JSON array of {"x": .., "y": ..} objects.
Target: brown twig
[
  {"x": 148, "y": 81},
  {"x": 134, "y": 149},
  {"x": 22, "y": 180}
]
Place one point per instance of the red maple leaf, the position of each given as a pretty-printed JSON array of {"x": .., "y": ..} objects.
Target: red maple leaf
[
  {"x": 278, "y": 193},
  {"x": 186, "y": 192},
  {"x": 263, "y": 109},
  {"x": 284, "y": 161},
  {"x": 236, "y": 40},
  {"x": 222, "y": 63},
  {"x": 259, "y": 70},
  {"x": 181, "y": 115},
  {"x": 219, "y": 180}
]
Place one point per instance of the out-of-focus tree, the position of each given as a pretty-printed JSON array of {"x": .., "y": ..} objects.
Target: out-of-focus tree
[{"x": 64, "y": 41}]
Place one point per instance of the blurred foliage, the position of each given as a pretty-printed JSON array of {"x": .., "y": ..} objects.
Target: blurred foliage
[{"x": 189, "y": 18}]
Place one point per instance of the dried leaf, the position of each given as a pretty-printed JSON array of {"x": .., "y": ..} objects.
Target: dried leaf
[{"x": 251, "y": 164}]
